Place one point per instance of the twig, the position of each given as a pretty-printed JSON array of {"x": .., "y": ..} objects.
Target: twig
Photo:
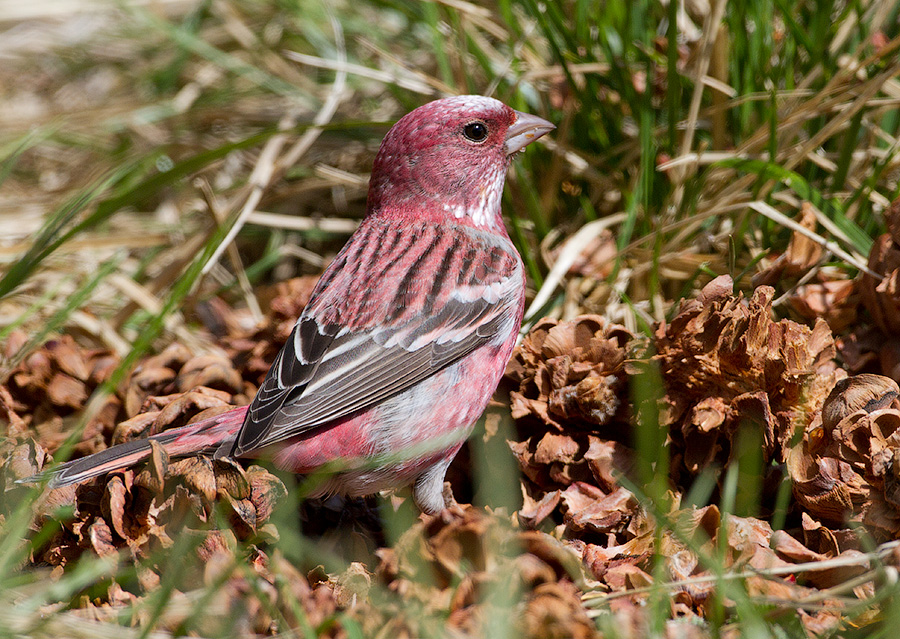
[
  {"x": 145, "y": 299},
  {"x": 599, "y": 598},
  {"x": 403, "y": 81},
  {"x": 567, "y": 257},
  {"x": 233, "y": 253},
  {"x": 268, "y": 164},
  {"x": 784, "y": 220},
  {"x": 297, "y": 223},
  {"x": 710, "y": 31},
  {"x": 513, "y": 55}
]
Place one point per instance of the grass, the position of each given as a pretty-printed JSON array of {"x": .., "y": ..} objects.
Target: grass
[{"x": 695, "y": 136}]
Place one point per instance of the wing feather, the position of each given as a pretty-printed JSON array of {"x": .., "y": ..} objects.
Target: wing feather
[{"x": 365, "y": 337}]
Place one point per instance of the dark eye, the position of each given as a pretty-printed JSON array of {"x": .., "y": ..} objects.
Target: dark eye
[{"x": 476, "y": 131}]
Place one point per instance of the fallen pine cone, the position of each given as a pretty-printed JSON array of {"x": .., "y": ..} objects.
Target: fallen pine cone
[
  {"x": 847, "y": 467},
  {"x": 570, "y": 372},
  {"x": 726, "y": 362},
  {"x": 881, "y": 297}
]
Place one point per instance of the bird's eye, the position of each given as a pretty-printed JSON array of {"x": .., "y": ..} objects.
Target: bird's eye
[{"x": 476, "y": 131}]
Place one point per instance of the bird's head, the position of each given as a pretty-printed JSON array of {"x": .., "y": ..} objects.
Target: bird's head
[{"x": 447, "y": 160}]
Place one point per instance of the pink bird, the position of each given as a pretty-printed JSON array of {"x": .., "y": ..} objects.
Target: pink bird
[{"x": 406, "y": 334}]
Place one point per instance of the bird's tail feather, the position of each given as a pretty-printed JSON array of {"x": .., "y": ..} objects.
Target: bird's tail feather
[{"x": 205, "y": 436}]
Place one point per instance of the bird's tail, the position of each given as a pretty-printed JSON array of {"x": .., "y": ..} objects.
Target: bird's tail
[{"x": 205, "y": 436}]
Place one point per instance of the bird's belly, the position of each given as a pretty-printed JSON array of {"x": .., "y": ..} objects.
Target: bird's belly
[{"x": 391, "y": 444}]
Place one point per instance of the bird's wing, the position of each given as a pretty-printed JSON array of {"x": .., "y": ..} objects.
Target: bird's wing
[{"x": 392, "y": 309}]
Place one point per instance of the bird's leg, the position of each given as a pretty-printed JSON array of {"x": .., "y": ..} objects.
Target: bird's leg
[{"x": 428, "y": 490}]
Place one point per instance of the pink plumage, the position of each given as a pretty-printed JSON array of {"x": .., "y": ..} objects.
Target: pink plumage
[{"x": 407, "y": 332}]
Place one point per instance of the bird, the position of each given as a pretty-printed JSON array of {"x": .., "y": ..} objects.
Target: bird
[{"x": 407, "y": 332}]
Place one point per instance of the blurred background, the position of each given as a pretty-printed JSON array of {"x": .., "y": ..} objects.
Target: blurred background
[{"x": 130, "y": 131}]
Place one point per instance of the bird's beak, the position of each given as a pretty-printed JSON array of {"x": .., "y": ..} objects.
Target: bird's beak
[{"x": 526, "y": 129}]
